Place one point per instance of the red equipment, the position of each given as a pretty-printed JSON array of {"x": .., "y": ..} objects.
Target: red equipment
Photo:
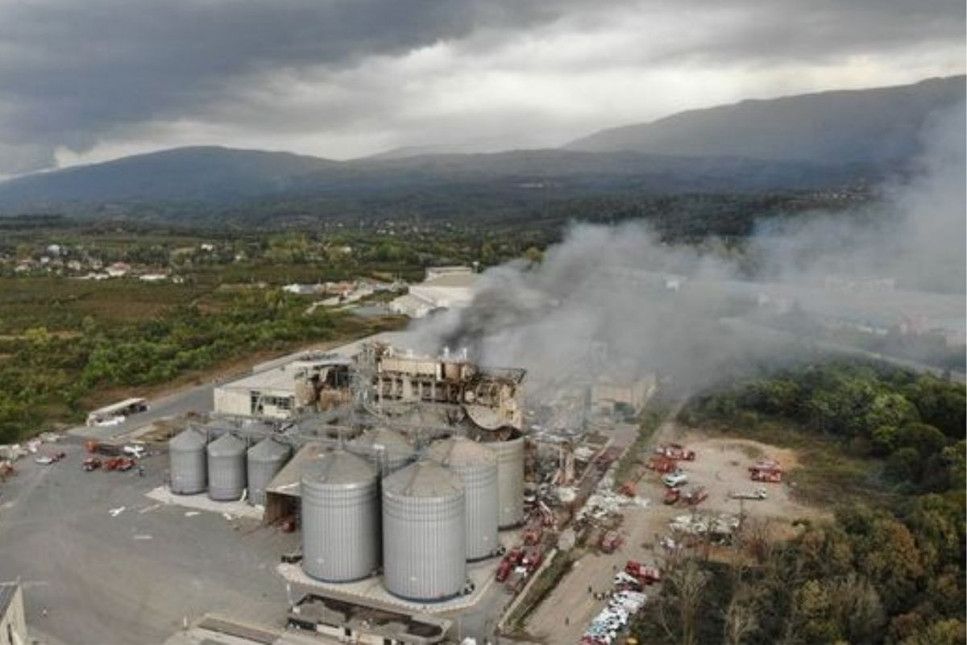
[
  {"x": 766, "y": 471},
  {"x": 661, "y": 464},
  {"x": 644, "y": 574}
]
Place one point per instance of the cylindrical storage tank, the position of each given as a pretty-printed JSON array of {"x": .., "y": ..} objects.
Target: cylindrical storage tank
[
  {"x": 385, "y": 448},
  {"x": 476, "y": 465},
  {"x": 265, "y": 460},
  {"x": 424, "y": 532},
  {"x": 188, "y": 466},
  {"x": 226, "y": 468},
  {"x": 510, "y": 481},
  {"x": 340, "y": 517}
]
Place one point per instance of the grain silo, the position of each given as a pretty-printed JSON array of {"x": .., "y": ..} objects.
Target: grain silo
[
  {"x": 510, "y": 480},
  {"x": 340, "y": 517},
  {"x": 226, "y": 468},
  {"x": 387, "y": 449},
  {"x": 424, "y": 532},
  {"x": 264, "y": 460},
  {"x": 187, "y": 462},
  {"x": 476, "y": 465}
]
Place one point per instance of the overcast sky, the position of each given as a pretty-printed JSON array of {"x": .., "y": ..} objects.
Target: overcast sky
[{"x": 88, "y": 80}]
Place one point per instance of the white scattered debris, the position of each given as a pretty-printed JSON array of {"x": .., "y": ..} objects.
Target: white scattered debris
[
  {"x": 142, "y": 537},
  {"x": 228, "y": 516},
  {"x": 605, "y": 502},
  {"x": 566, "y": 495},
  {"x": 12, "y": 452},
  {"x": 117, "y": 511},
  {"x": 192, "y": 513},
  {"x": 699, "y": 524},
  {"x": 566, "y": 540}
]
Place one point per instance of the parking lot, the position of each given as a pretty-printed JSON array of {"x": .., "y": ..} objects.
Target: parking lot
[{"x": 102, "y": 563}]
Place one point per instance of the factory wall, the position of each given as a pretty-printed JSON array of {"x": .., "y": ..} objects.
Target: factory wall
[{"x": 233, "y": 401}]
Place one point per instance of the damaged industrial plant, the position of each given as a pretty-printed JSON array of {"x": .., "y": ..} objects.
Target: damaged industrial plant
[{"x": 612, "y": 393}]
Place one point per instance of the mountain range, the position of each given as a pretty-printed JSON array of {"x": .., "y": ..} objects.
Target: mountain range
[{"x": 799, "y": 142}]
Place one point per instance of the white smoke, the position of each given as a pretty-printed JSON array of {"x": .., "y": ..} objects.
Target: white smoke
[{"x": 618, "y": 300}]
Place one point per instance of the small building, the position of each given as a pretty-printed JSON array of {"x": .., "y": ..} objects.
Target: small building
[
  {"x": 348, "y": 622},
  {"x": 443, "y": 288},
  {"x": 610, "y": 396},
  {"x": 13, "y": 621}
]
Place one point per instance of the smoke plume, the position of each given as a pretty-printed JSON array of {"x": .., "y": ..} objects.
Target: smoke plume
[{"x": 617, "y": 301}]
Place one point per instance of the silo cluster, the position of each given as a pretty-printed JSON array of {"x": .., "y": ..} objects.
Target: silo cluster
[
  {"x": 225, "y": 467},
  {"x": 340, "y": 517},
  {"x": 373, "y": 504}
]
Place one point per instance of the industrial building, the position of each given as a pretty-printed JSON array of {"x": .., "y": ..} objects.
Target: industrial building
[
  {"x": 489, "y": 396},
  {"x": 399, "y": 485},
  {"x": 443, "y": 288},
  {"x": 613, "y": 396},
  {"x": 312, "y": 383}
]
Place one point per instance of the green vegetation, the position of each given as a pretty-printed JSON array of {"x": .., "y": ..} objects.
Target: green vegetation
[
  {"x": 96, "y": 352},
  {"x": 889, "y": 569},
  {"x": 915, "y": 423}
]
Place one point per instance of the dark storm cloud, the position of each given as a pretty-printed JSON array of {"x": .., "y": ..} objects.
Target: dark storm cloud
[
  {"x": 73, "y": 71},
  {"x": 74, "y": 74}
]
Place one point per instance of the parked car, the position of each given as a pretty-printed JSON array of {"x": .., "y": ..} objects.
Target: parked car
[{"x": 675, "y": 479}]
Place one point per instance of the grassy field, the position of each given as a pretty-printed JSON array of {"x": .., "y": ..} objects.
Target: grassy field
[{"x": 825, "y": 475}]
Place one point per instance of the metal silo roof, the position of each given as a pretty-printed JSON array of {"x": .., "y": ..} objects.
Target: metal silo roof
[
  {"x": 227, "y": 445},
  {"x": 458, "y": 452},
  {"x": 383, "y": 438},
  {"x": 190, "y": 439},
  {"x": 339, "y": 468},
  {"x": 423, "y": 479},
  {"x": 269, "y": 448}
]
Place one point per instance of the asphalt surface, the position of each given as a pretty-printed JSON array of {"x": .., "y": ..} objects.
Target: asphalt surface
[{"x": 90, "y": 577}]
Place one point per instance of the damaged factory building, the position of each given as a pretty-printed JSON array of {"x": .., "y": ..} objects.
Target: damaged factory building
[
  {"x": 489, "y": 396},
  {"x": 420, "y": 491}
]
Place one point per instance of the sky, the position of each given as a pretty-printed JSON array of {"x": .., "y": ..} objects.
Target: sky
[{"x": 88, "y": 81}]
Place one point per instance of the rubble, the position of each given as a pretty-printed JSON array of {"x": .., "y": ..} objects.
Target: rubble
[{"x": 700, "y": 524}]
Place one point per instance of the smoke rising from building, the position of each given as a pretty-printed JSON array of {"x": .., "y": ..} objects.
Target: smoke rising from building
[{"x": 618, "y": 300}]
